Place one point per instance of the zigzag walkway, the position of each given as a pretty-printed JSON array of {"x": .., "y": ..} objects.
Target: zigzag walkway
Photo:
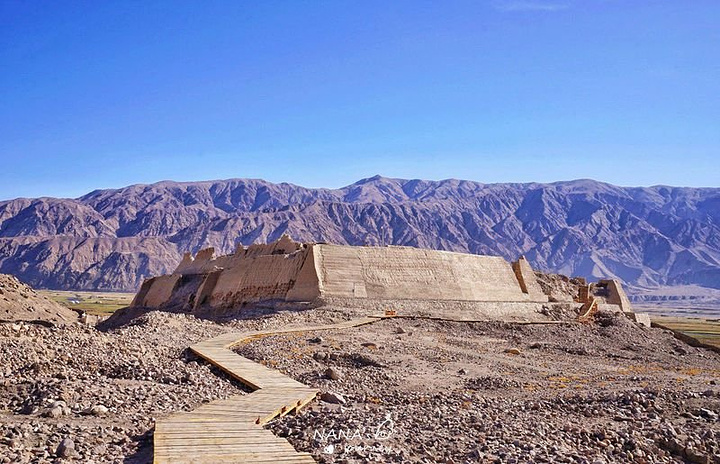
[{"x": 230, "y": 430}]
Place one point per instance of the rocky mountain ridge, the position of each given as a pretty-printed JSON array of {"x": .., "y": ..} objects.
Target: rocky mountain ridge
[{"x": 113, "y": 239}]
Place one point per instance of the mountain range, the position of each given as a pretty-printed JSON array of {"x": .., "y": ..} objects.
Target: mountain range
[{"x": 113, "y": 239}]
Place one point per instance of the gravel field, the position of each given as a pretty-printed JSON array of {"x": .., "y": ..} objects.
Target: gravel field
[
  {"x": 398, "y": 390},
  {"x": 101, "y": 391},
  {"x": 91, "y": 396},
  {"x": 408, "y": 390}
]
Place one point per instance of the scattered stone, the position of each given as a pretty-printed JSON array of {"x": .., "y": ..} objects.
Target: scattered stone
[
  {"x": 54, "y": 413},
  {"x": 66, "y": 448},
  {"x": 708, "y": 414},
  {"x": 696, "y": 456},
  {"x": 680, "y": 350},
  {"x": 363, "y": 360},
  {"x": 62, "y": 405},
  {"x": 332, "y": 397},
  {"x": 514, "y": 351},
  {"x": 332, "y": 374},
  {"x": 99, "y": 410}
]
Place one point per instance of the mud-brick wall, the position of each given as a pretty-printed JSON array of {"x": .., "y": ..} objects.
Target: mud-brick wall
[
  {"x": 305, "y": 273},
  {"x": 413, "y": 273},
  {"x": 263, "y": 277},
  {"x": 156, "y": 291}
]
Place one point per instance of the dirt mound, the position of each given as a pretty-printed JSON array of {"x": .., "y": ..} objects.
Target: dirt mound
[
  {"x": 559, "y": 287},
  {"x": 19, "y": 302}
]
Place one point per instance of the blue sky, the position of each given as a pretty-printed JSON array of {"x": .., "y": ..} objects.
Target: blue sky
[{"x": 323, "y": 93}]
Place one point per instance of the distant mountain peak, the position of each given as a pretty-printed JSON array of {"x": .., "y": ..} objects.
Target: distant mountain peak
[{"x": 111, "y": 239}]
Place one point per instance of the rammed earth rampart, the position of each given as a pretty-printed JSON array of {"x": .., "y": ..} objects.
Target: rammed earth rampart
[{"x": 297, "y": 272}]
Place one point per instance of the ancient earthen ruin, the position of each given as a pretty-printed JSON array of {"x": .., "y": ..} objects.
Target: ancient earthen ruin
[
  {"x": 410, "y": 280},
  {"x": 297, "y": 272}
]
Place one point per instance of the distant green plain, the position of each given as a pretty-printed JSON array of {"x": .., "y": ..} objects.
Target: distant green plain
[
  {"x": 703, "y": 330},
  {"x": 97, "y": 303}
]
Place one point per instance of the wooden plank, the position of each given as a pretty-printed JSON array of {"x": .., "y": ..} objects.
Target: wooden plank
[
  {"x": 211, "y": 459},
  {"x": 247, "y": 455},
  {"x": 255, "y": 452},
  {"x": 268, "y": 437},
  {"x": 180, "y": 447},
  {"x": 226, "y": 430},
  {"x": 236, "y": 448},
  {"x": 217, "y": 434},
  {"x": 248, "y": 429},
  {"x": 234, "y": 459}
]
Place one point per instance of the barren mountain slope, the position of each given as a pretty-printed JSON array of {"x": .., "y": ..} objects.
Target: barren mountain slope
[
  {"x": 18, "y": 302},
  {"x": 112, "y": 239}
]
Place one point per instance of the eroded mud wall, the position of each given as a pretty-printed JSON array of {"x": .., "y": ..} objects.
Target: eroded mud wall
[
  {"x": 286, "y": 270},
  {"x": 527, "y": 280},
  {"x": 263, "y": 277},
  {"x": 156, "y": 291},
  {"x": 413, "y": 273}
]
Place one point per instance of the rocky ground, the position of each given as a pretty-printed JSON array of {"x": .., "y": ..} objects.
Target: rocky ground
[
  {"x": 408, "y": 390},
  {"x": 72, "y": 393},
  {"x": 399, "y": 390},
  {"x": 559, "y": 287},
  {"x": 88, "y": 396}
]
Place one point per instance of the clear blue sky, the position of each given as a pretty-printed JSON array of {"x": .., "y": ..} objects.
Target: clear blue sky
[{"x": 103, "y": 94}]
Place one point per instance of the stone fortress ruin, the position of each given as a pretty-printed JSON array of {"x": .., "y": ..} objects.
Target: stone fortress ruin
[{"x": 412, "y": 280}]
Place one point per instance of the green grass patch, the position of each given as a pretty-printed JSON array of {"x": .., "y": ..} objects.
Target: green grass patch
[
  {"x": 97, "y": 303},
  {"x": 706, "y": 331}
]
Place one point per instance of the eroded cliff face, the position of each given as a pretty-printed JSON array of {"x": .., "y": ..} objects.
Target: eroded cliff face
[
  {"x": 289, "y": 271},
  {"x": 114, "y": 239}
]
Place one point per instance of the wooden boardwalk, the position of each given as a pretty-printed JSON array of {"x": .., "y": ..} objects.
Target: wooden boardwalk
[{"x": 230, "y": 430}]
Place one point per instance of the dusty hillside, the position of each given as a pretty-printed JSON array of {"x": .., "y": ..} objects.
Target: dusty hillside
[
  {"x": 19, "y": 302},
  {"x": 112, "y": 239}
]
